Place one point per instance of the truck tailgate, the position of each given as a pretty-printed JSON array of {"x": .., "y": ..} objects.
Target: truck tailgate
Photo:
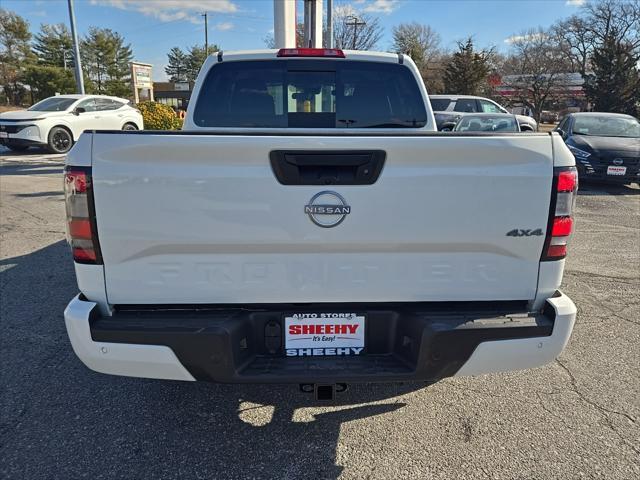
[{"x": 202, "y": 219}]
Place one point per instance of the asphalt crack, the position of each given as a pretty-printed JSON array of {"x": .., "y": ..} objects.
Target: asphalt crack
[
  {"x": 574, "y": 384},
  {"x": 603, "y": 410}
]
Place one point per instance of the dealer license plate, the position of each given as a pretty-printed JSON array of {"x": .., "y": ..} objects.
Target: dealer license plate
[
  {"x": 4, "y": 135},
  {"x": 611, "y": 170},
  {"x": 319, "y": 334}
]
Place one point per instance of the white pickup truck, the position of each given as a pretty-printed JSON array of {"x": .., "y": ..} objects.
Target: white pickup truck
[{"x": 309, "y": 225}]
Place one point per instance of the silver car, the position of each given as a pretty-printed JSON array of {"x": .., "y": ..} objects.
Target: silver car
[{"x": 447, "y": 108}]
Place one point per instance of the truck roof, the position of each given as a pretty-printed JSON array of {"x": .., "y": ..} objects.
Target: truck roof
[{"x": 271, "y": 54}]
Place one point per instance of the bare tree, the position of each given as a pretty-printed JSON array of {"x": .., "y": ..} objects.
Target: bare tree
[
  {"x": 575, "y": 39},
  {"x": 422, "y": 44},
  {"x": 598, "y": 22},
  {"x": 615, "y": 18},
  {"x": 535, "y": 69},
  {"x": 355, "y": 30},
  {"x": 350, "y": 28}
]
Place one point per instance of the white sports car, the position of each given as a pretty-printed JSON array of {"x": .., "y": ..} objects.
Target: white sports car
[{"x": 57, "y": 122}]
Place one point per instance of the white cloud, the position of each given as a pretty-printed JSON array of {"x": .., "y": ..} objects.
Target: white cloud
[
  {"x": 172, "y": 10},
  {"x": 344, "y": 10},
  {"x": 382, "y": 6},
  {"x": 519, "y": 38},
  {"x": 159, "y": 75},
  {"x": 575, "y": 3},
  {"x": 224, "y": 26}
]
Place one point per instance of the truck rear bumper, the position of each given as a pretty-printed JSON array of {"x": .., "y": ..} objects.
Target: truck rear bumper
[{"x": 405, "y": 342}]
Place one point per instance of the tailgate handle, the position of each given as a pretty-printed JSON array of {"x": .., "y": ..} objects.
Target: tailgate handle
[{"x": 351, "y": 167}]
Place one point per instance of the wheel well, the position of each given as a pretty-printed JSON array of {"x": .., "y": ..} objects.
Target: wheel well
[
  {"x": 131, "y": 122},
  {"x": 61, "y": 126}
]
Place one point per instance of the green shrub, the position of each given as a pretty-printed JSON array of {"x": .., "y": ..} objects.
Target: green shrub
[{"x": 158, "y": 116}]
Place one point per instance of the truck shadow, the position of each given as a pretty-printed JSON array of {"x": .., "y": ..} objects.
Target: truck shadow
[
  {"x": 32, "y": 168},
  {"x": 604, "y": 189},
  {"x": 76, "y": 423}
]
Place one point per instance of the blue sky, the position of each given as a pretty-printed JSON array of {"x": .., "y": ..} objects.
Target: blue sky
[{"x": 154, "y": 26}]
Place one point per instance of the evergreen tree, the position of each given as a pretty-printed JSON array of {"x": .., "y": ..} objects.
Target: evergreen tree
[
  {"x": 196, "y": 58},
  {"x": 53, "y": 46},
  {"x": 467, "y": 69},
  {"x": 614, "y": 85},
  {"x": 178, "y": 66},
  {"x": 15, "y": 54},
  {"x": 46, "y": 80},
  {"x": 105, "y": 58}
]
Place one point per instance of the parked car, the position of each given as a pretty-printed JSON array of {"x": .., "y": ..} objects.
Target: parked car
[
  {"x": 450, "y": 106},
  {"x": 606, "y": 145},
  {"x": 300, "y": 217},
  {"x": 486, "y": 122},
  {"x": 57, "y": 122},
  {"x": 547, "y": 116}
]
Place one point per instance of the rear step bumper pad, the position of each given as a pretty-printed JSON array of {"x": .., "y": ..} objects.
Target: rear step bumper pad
[
  {"x": 228, "y": 346},
  {"x": 518, "y": 354},
  {"x": 148, "y": 361}
]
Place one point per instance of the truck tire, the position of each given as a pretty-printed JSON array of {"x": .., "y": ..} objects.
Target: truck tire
[{"x": 60, "y": 140}]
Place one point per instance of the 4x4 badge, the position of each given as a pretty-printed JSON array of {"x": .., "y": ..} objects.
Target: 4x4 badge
[{"x": 516, "y": 232}]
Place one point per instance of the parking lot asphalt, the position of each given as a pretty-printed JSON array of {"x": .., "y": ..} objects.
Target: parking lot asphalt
[{"x": 575, "y": 418}]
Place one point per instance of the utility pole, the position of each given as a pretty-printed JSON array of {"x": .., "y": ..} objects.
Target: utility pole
[
  {"x": 312, "y": 24},
  {"x": 206, "y": 34},
  {"x": 76, "y": 50},
  {"x": 355, "y": 23},
  {"x": 329, "y": 23}
]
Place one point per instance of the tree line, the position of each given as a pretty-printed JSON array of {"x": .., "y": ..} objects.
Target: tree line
[
  {"x": 44, "y": 61},
  {"x": 601, "y": 43}
]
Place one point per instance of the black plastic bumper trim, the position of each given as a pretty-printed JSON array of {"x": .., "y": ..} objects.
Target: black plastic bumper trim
[{"x": 404, "y": 342}]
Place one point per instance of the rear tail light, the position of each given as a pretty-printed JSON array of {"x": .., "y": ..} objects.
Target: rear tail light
[
  {"x": 82, "y": 233},
  {"x": 560, "y": 227},
  {"x": 311, "y": 52}
]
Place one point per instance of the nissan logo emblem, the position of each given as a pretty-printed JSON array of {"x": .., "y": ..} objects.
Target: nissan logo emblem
[
  {"x": 618, "y": 161},
  {"x": 327, "y": 209}
]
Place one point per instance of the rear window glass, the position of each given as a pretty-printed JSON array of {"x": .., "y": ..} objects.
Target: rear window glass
[
  {"x": 466, "y": 105},
  {"x": 439, "y": 104},
  {"x": 53, "y": 104},
  {"x": 487, "y": 123},
  {"x": 310, "y": 94}
]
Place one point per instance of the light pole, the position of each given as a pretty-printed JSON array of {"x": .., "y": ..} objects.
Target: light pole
[
  {"x": 76, "y": 50},
  {"x": 206, "y": 35}
]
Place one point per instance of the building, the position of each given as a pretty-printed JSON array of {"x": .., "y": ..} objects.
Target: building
[
  {"x": 176, "y": 95},
  {"x": 566, "y": 96}
]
